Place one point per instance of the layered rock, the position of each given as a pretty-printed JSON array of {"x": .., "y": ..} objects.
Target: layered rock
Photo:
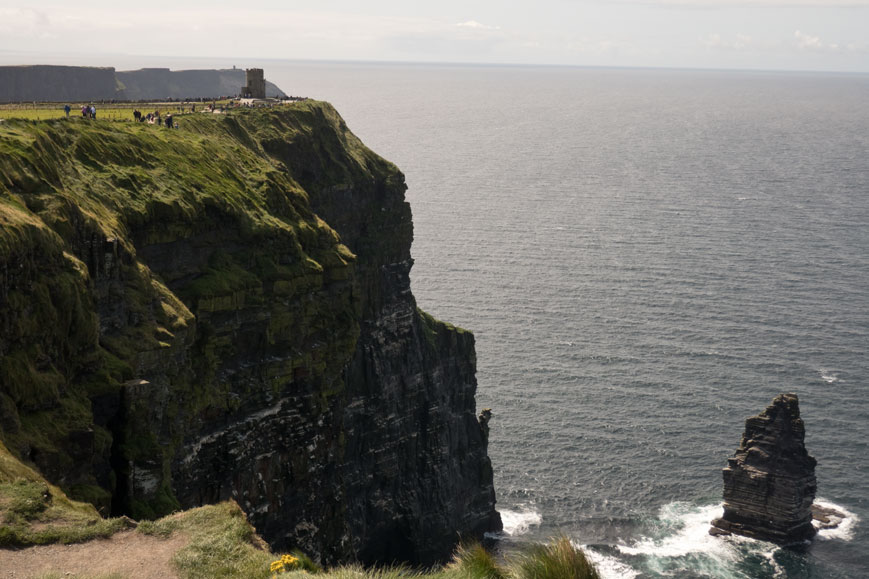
[
  {"x": 769, "y": 484},
  {"x": 224, "y": 311}
]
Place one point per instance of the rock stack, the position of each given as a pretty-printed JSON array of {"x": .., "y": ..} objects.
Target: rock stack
[{"x": 769, "y": 484}]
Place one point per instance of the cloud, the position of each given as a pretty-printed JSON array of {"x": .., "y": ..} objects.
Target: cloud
[
  {"x": 474, "y": 25},
  {"x": 599, "y": 46},
  {"x": 814, "y": 43},
  {"x": 22, "y": 21},
  {"x": 738, "y": 42}
]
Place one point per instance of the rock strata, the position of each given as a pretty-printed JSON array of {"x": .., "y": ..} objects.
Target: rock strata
[{"x": 769, "y": 484}]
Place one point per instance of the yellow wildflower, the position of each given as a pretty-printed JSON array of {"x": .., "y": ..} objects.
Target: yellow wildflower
[{"x": 289, "y": 560}]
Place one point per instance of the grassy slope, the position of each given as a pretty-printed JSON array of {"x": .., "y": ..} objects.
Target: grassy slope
[{"x": 34, "y": 512}]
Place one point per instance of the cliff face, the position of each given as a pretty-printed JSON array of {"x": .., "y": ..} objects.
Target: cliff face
[
  {"x": 46, "y": 83},
  {"x": 161, "y": 83},
  {"x": 224, "y": 311},
  {"x": 57, "y": 83},
  {"x": 769, "y": 484}
]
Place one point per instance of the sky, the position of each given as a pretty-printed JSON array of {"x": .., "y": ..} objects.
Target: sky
[{"x": 821, "y": 35}]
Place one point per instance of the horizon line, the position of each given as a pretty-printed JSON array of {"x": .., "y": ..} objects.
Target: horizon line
[{"x": 421, "y": 63}]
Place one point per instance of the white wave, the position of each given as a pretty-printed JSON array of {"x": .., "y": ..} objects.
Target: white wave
[
  {"x": 691, "y": 534},
  {"x": 828, "y": 376},
  {"x": 845, "y": 530},
  {"x": 519, "y": 522},
  {"x": 687, "y": 536},
  {"x": 608, "y": 567}
]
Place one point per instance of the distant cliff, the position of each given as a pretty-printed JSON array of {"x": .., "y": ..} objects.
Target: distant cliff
[
  {"x": 161, "y": 83},
  {"x": 58, "y": 83},
  {"x": 224, "y": 311},
  {"x": 80, "y": 83}
]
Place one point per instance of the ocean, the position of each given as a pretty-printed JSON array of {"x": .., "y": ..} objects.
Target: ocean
[{"x": 646, "y": 258}]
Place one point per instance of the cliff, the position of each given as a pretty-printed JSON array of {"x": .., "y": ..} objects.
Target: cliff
[
  {"x": 161, "y": 83},
  {"x": 58, "y": 83},
  {"x": 769, "y": 484},
  {"x": 224, "y": 312},
  {"x": 46, "y": 83}
]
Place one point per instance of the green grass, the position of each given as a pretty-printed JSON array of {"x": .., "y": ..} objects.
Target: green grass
[
  {"x": 558, "y": 559},
  {"x": 222, "y": 543},
  {"x": 33, "y": 512},
  {"x": 111, "y": 112}
]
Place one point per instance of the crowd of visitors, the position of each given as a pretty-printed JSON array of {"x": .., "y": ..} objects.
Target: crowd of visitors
[{"x": 155, "y": 118}]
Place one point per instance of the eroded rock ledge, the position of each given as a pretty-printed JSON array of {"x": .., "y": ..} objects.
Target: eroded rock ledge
[{"x": 769, "y": 484}]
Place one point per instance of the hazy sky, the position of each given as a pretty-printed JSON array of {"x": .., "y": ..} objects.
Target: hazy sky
[{"x": 755, "y": 34}]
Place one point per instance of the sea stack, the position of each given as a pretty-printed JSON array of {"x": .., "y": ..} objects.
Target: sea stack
[{"x": 769, "y": 484}]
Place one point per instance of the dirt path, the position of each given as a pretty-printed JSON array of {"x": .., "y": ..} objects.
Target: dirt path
[{"x": 129, "y": 554}]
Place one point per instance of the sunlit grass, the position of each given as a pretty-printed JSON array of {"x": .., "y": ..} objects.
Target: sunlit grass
[{"x": 108, "y": 111}]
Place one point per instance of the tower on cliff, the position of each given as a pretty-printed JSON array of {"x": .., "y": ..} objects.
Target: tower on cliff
[{"x": 255, "y": 86}]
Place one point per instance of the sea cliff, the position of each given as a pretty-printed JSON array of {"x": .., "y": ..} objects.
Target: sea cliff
[
  {"x": 224, "y": 311},
  {"x": 28, "y": 83}
]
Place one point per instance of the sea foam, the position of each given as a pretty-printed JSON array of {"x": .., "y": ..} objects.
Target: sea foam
[
  {"x": 845, "y": 530},
  {"x": 519, "y": 522}
]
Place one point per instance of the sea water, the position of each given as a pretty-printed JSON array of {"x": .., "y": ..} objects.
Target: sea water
[{"x": 646, "y": 258}]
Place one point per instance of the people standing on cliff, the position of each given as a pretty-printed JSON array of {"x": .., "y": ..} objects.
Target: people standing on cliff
[
  {"x": 84, "y": 111},
  {"x": 93, "y": 112},
  {"x": 137, "y": 115},
  {"x": 66, "y": 109},
  {"x": 169, "y": 121}
]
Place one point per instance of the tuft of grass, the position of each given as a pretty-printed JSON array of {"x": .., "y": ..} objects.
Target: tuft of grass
[
  {"x": 222, "y": 543},
  {"x": 473, "y": 561},
  {"x": 558, "y": 559}
]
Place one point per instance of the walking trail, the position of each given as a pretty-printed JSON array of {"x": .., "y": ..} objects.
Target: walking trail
[{"x": 129, "y": 554}]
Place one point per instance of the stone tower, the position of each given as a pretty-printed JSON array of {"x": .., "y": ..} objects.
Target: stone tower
[{"x": 256, "y": 84}]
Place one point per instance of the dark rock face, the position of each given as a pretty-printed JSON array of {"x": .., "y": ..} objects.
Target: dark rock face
[
  {"x": 769, "y": 484},
  {"x": 416, "y": 462},
  {"x": 235, "y": 321}
]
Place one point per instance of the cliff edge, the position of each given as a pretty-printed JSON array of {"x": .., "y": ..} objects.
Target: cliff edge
[{"x": 224, "y": 312}]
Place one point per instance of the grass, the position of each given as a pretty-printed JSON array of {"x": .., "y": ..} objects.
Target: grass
[
  {"x": 108, "y": 111},
  {"x": 222, "y": 543},
  {"x": 33, "y": 512},
  {"x": 558, "y": 559}
]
